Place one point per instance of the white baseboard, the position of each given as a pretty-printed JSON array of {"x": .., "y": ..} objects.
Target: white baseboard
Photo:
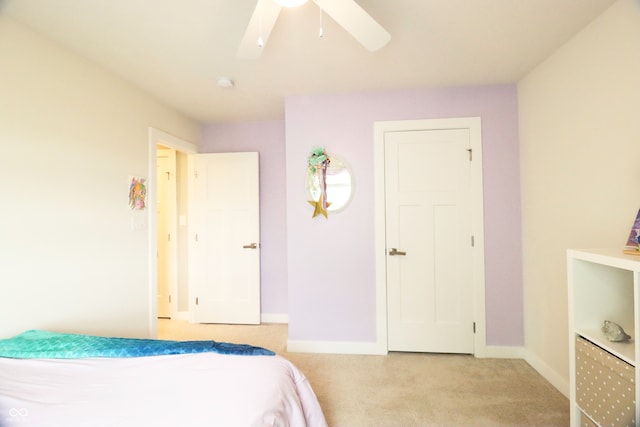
[
  {"x": 504, "y": 352},
  {"x": 549, "y": 374},
  {"x": 274, "y": 318},
  {"x": 365, "y": 348},
  {"x": 536, "y": 363},
  {"x": 335, "y": 347}
]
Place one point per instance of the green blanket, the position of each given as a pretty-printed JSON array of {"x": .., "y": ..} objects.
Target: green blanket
[{"x": 36, "y": 344}]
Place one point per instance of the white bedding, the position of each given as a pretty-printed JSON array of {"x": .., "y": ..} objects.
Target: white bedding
[{"x": 189, "y": 390}]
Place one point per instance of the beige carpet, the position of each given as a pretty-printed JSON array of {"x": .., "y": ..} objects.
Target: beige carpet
[{"x": 406, "y": 389}]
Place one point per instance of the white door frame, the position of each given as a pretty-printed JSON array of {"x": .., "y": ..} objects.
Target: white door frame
[
  {"x": 156, "y": 137},
  {"x": 473, "y": 124}
]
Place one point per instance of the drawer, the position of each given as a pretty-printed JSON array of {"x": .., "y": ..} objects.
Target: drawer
[{"x": 605, "y": 386}]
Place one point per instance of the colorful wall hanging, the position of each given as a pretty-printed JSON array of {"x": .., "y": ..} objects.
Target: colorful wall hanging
[
  {"x": 137, "y": 193},
  {"x": 317, "y": 164}
]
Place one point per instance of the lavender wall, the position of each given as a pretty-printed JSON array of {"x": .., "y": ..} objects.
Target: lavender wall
[
  {"x": 331, "y": 262},
  {"x": 267, "y": 138}
]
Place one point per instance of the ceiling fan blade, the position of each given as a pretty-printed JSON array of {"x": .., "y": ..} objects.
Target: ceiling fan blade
[
  {"x": 356, "y": 21},
  {"x": 262, "y": 21}
]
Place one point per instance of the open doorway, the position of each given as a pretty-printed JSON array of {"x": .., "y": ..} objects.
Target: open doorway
[
  {"x": 169, "y": 265},
  {"x": 168, "y": 239}
]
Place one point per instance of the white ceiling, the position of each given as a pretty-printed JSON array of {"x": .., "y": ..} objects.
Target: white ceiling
[{"x": 176, "y": 50}]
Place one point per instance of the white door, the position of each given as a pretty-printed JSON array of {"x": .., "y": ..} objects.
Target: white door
[
  {"x": 226, "y": 247},
  {"x": 428, "y": 237},
  {"x": 166, "y": 184}
]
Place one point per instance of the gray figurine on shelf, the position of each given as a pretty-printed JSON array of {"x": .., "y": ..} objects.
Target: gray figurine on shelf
[{"x": 614, "y": 332}]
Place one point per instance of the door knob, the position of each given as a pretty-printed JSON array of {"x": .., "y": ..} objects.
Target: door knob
[
  {"x": 394, "y": 252},
  {"x": 250, "y": 246}
]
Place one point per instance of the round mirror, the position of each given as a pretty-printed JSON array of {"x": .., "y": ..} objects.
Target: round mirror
[{"x": 339, "y": 184}]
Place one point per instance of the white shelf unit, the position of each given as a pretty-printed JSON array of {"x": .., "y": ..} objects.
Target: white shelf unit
[{"x": 603, "y": 285}]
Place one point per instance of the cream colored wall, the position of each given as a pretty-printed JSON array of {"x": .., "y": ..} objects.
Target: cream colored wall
[
  {"x": 580, "y": 167},
  {"x": 72, "y": 134}
]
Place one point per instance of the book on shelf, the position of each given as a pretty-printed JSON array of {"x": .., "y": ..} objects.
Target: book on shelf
[{"x": 633, "y": 242}]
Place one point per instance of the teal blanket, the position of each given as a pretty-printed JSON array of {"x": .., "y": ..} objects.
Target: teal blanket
[{"x": 37, "y": 344}]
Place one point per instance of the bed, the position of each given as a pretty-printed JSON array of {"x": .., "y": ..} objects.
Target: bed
[{"x": 46, "y": 380}]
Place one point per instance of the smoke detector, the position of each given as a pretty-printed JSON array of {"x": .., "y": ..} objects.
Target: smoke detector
[{"x": 225, "y": 82}]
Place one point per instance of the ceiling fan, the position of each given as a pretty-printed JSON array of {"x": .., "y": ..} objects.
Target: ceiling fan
[{"x": 353, "y": 18}]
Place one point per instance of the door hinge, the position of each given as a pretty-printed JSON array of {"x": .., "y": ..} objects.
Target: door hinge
[
  {"x": 470, "y": 150},
  {"x": 196, "y": 237},
  {"x": 474, "y": 327},
  {"x": 168, "y": 237},
  {"x": 169, "y": 299},
  {"x": 196, "y": 174},
  {"x": 196, "y": 300},
  {"x": 473, "y": 241}
]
